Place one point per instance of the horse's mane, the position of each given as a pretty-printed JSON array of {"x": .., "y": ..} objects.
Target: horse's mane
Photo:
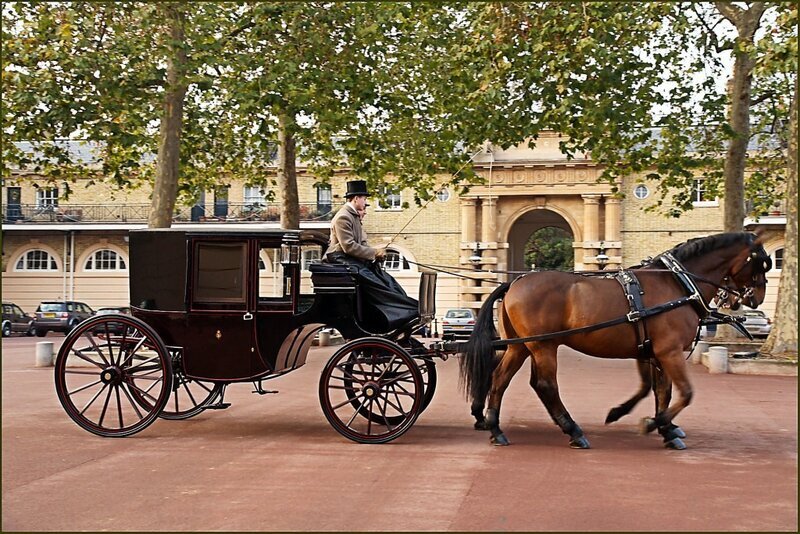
[{"x": 703, "y": 245}]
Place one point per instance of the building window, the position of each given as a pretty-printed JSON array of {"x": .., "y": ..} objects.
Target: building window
[
  {"x": 105, "y": 260},
  {"x": 443, "y": 195},
  {"x": 254, "y": 195},
  {"x": 46, "y": 197},
  {"x": 641, "y": 192},
  {"x": 777, "y": 263},
  {"x": 390, "y": 201},
  {"x": 324, "y": 198},
  {"x": 36, "y": 260},
  {"x": 394, "y": 261}
]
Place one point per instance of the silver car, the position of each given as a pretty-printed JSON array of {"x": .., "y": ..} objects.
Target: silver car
[
  {"x": 757, "y": 323},
  {"x": 459, "y": 322}
]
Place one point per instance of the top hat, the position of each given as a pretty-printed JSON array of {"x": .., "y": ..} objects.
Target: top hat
[{"x": 356, "y": 188}]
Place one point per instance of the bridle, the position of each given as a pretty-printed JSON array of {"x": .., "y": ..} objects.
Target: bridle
[{"x": 759, "y": 263}]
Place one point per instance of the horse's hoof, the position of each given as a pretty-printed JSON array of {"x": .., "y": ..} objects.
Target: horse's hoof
[
  {"x": 614, "y": 414},
  {"x": 481, "y": 425},
  {"x": 499, "y": 440},
  {"x": 675, "y": 444},
  {"x": 671, "y": 432},
  {"x": 579, "y": 443},
  {"x": 647, "y": 425}
]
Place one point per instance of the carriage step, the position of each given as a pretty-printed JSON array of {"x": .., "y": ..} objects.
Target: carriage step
[
  {"x": 265, "y": 391},
  {"x": 218, "y": 406}
]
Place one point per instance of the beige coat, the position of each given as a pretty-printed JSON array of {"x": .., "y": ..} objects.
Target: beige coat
[{"x": 348, "y": 235}]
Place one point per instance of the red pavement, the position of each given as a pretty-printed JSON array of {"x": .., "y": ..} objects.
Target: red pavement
[{"x": 273, "y": 463}]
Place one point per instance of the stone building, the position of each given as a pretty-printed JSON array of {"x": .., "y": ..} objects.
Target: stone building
[{"x": 77, "y": 248}]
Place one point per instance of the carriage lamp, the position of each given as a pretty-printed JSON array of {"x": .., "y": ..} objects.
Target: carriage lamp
[
  {"x": 290, "y": 254},
  {"x": 602, "y": 257}
]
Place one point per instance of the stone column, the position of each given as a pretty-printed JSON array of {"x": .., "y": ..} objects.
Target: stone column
[
  {"x": 591, "y": 228},
  {"x": 613, "y": 237},
  {"x": 468, "y": 235},
  {"x": 489, "y": 219}
]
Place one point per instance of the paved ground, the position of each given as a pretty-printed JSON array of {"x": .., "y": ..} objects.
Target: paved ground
[{"x": 273, "y": 463}]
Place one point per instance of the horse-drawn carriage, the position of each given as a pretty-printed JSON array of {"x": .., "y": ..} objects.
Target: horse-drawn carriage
[
  {"x": 211, "y": 308},
  {"x": 216, "y": 307}
]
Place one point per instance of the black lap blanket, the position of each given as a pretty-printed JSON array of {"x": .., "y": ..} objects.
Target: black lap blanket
[{"x": 385, "y": 305}]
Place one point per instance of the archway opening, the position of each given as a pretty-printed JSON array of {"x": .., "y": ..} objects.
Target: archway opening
[
  {"x": 550, "y": 247},
  {"x": 542, "y": 239}
]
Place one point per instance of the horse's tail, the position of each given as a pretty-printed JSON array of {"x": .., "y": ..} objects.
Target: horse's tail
[{"x": 477, "y": 361}]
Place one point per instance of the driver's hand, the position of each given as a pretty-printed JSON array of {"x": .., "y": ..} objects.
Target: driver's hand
[{"x": 380, "y": 254}]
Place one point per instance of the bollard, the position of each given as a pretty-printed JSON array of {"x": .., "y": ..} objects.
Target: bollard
[
  {"x": 717, "y": 359},
  {"x": 44, "y": 354},
  {"x": 697, "y": 353},
  {"x": 324, "y": 338}
]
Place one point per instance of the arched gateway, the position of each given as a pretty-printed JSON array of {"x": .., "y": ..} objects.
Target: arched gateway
[{"x": 522, "y": 195}]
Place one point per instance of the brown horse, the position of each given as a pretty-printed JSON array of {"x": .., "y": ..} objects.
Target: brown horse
[{"x": 591, "y": 314}]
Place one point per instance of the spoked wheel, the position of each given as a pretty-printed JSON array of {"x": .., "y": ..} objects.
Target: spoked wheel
[
  {"x": 371, "y": 391},
  {"x": 189, "y": 396},
  {"x": 428, "y": 369},
  {"x": 102, "y": 378}
]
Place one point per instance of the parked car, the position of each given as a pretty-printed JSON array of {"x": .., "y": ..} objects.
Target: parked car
[
  {"x": 757, "y": 323},
  {"x": 16, "y": 321},
  {"x": 59, "y": 316},
  {"x": 458, "y": 322},
  {"x": 113, "y": 328}
]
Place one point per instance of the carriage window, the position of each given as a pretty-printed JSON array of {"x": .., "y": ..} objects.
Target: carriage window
[
  {"x": 273, "y": 281},
  {"x": 220, "y": 272},
  {"x": 310, "y": 254}
]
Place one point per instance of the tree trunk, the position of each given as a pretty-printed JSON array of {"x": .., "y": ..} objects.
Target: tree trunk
[
  {"x": 165, "y": 189},
  {"x": 782, "y": 340},
  {"x": 746, "y": 22},
  {"x": 287, "y": 173}
]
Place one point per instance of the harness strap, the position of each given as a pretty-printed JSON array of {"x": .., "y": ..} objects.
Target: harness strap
[
  {"x": 633, "y": 294},
  {"x": 630, "y": 317}
]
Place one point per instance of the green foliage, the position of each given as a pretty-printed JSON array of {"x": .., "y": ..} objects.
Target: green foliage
[{"x": 550, "y": 248}]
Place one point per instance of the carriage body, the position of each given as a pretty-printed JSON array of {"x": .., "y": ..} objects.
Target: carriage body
[
  {"x": 220, "y": 306},
  {"x": 235, "y": 301}
]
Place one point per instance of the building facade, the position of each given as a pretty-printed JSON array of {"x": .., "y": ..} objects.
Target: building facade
[{"x": 76, "y": 249}]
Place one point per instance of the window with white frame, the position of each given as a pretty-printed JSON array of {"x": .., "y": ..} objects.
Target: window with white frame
[
  {"x": 443, "y": 195},
  {"x": 700, "y": 196},
  {"x": 324, "y": 198},
  {"x": 390, "y": 201},
  {"x": 641, "y": 192},
  {"x": 777, "y": 262},
  {"x": 254, "y": 194},
  {"x": 105, "y": 260},
  {"x": 394, "y": 261},
  {"x": 36, "y": 260},
  {"x": 46, "y": 197}
]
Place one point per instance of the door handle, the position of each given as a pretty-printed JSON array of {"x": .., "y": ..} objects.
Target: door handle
[{"x": 247, "y": 316}]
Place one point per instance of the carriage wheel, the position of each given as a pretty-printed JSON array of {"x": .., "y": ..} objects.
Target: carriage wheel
[
  {"x": 371, "y": 391},
  {"x": 101, "y": 377},
  {"x": 427, "y": 368},
  {"x": 189, "y": 396}
]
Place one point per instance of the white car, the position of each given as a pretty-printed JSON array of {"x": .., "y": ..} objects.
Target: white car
[{"x": 757, "y": 323}]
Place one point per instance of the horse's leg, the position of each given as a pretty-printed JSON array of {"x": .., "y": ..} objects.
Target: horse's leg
[
  {"x": 662, "y": 387},
  {"x": 544, "y": 382},
  {"x": 512, "y": 360},
  {"x": 476, "y": 409},
  {"x": 674, "y": 367},
  {"x": 625, "y": 408}
]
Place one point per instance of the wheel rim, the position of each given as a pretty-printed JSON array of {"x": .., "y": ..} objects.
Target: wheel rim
[
  {"x": 371, "y": 391},
  {"x": 102, "y": 379},
  {"x": 189, "y": 397}
]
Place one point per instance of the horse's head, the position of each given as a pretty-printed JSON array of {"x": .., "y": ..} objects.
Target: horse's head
[{"x": 747, "y": 275}]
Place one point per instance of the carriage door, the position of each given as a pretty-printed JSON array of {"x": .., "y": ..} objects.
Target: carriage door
[{"x": 221, "y": 342}]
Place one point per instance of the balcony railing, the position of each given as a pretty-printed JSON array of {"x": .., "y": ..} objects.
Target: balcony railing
[{"x": 138, "y": 213}]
